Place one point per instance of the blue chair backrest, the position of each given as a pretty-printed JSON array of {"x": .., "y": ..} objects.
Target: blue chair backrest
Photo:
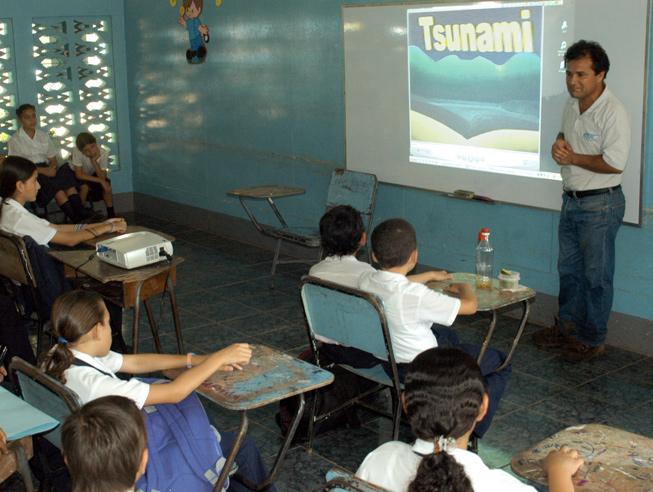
[
  {"x": 47, "y": 394},
  {"x": 352, "y": 188},
  {"x": 349, "y": 316}
]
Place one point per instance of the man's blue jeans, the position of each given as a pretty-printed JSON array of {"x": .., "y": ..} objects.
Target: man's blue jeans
[{"x": 587, "y": 232}]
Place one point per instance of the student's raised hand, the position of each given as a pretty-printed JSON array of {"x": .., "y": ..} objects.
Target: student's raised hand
[
  {"x": 3, "y": 373},
  {"x": 564, "y": 462},
  {"x": 235, "y": 356},
  {"x": 3, "y": 442}
]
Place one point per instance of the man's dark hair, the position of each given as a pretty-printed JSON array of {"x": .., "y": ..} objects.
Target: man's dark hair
[
  {"x": 592, "y": 49},
  {"x": 341, "y": 230},
  {"x": 393, "y": 241},
  {"x": 22, "y": 108}
]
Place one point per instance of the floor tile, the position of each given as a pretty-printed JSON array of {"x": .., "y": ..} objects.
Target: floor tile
[{"x": 573, "y": 408}]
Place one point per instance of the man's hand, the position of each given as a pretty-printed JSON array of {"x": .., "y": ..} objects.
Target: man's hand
[
  {"x": 106, "y": 186},
  {"x": 561, "y": 152}
]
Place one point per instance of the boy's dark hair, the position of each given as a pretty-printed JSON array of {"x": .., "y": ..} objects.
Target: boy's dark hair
[
  {"x": 393, "y": 241},
  {"x": 443, "y": 396},
  {"x": 592, "y": 49},
  {"x": 22, "y": 108},
  {"x": 83, "y": 139},
  {"x": 103, "y": 444},
  {"x": 341, "y": 230}
]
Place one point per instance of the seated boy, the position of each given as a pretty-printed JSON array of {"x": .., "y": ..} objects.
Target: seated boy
[
  {"x": 343, "y": 233},
  {"x": 105, "y": 445},
  {"x": 413, "y": 308},
  {"x": 89, "y": 162}
]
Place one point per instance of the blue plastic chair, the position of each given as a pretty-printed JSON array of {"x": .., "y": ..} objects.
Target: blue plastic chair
[
  {"x": 51, "y": 397},
  {"x": 355, "y": 318},
  {"x": 346, "y": 188}
]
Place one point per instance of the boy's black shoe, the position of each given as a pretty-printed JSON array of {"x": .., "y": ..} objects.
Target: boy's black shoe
[{"x": 201, "y": 52}]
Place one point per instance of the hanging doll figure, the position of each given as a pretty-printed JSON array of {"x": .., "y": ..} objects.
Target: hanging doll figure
[{"x": 197, "y": 33}]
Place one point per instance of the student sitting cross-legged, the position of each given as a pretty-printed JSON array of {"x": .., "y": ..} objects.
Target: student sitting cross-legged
[
  {"x": 186, "y": 454},
  {"x": 413, "y": 308},
  {"x": 444, "y": 398},
  {"x": 105, "y": 445},
  {"x": 342, "y": 233}
]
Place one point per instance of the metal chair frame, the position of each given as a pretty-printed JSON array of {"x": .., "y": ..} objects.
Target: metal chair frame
[{"x": 341, "y": 320}]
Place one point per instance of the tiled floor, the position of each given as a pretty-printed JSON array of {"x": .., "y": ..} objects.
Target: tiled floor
[{"x": 224, "y": 297}]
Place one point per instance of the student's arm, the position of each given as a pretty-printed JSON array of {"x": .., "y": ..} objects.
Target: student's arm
[
  {"x": 468, "y": 302},
  {"x": 432, "y": 276},
  {"x": 68, "y": 236},
  {"x": 560, "y": 466},
  {"x": 49, "y": 170},
  {"x": 226, "y": 359}
]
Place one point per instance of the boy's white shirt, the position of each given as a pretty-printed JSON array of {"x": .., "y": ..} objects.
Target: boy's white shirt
[{"x": 411, "y": 308}]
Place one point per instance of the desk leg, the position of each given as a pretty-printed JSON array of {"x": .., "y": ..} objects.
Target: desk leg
[
  {"x": 244, "y": 424},
  {"x": 251, "y": 215},
  {"x": 137, "y": 313},
  {"x": 153, "y": 327},
  {"x": 175, "y": 316},
  {"x": 488, "y": 337},
  {"x": 527, "y": 308},
  {"x": 280, "y": 456},
  {"x": 274, "y": 207}
]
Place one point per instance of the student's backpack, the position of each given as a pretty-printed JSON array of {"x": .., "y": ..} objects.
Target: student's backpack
[{"x": 345, "y": 386}]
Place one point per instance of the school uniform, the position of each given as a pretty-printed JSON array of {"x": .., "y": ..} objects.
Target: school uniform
[
  {"x": 17, "y": 220},
  {"x": 394, "y": 464}
]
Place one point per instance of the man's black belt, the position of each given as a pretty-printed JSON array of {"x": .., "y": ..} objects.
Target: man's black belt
[{"x": 600, "y": 191}]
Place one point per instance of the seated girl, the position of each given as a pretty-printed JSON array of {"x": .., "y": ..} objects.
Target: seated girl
[
  {"x": 18, "y": 186},
  {"x": 444, "y": 397},
  {"x": 83, "y": 361},
  {"x": 89, "y": 162}
]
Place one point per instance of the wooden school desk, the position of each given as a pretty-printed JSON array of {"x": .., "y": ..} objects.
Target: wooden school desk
[
  {"x": 126, "y": 288},
  {"x": 615, "y": 460},
  {"x": 269, "y": 377},
  {"x": 497, "y": 302}
]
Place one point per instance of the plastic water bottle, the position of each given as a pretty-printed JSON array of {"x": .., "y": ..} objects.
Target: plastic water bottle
[{"x": 484, "y": 260}]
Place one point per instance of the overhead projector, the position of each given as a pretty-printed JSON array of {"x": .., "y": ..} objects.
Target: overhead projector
[{"x": 134, "y": 250}]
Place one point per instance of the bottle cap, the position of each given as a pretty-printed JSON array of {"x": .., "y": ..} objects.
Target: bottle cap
[{"x": 483, "y": 231}]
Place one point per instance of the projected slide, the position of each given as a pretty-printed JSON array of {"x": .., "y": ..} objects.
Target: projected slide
[{"x": 475, "y": 87}]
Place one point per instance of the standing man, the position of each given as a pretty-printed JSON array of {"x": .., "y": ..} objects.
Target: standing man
[{"x": 592, "y": 149}]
